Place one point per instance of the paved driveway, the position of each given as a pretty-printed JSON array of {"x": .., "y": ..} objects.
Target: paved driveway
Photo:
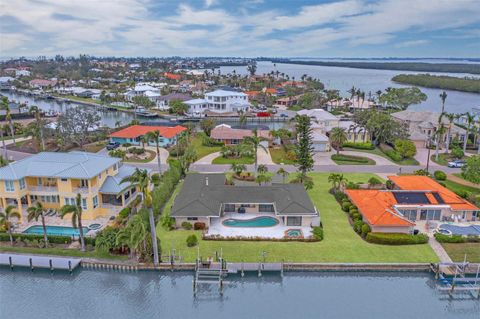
[
  {"x": 207, "y": 159},
  {"x": 264, "y": 157},
  {"x": 377, "y": 158},
  {"x": 323, "y": 158}
]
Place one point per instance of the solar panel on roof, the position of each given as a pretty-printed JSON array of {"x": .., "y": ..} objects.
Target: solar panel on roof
[
  {"x": 438, "y": 198},
  {"x": 411, "y": 198}
]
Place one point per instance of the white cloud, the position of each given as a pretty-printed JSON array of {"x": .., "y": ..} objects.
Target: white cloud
[
  {"x": 413, "y": 43},
  {"x": 209, "y": 3}
]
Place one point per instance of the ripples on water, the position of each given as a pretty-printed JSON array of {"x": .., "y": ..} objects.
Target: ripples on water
[{"x": 102, "y": 294}]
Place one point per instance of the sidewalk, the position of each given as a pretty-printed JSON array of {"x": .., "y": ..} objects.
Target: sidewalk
[{"x": 438, "y": 249}]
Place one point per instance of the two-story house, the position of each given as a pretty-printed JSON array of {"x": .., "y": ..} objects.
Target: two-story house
[
  {"x": 55, "y": 179},
  {"x": 219, "y": 102}
]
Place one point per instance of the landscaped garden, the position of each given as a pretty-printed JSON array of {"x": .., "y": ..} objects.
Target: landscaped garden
[
  {"x": 342, "y": 159},
  {"x": 385, "y": 151},
  {"x": 340, "y": 243},
  {"x": 280, "y": 155}
]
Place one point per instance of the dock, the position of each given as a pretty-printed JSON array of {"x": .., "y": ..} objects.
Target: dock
[
  {"x": 43, "y": 262},
  {"x": 459, "y": 282}
]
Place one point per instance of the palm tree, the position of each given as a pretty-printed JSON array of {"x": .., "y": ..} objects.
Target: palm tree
[
  {"x": 255, "y": 141},
  {"x": 281, "y": 171},
  {"x": 76, "y": 211},
  {"x": 5, "y": 219},
  {"x": 443, "y": 96},
  {"x": 337, "y": 180},
  {"x": 439, "y": 133},
  {"x": 470, "y": 120},
  {"x": 338, "y": 136},
  {"x": 140, "y": 179},
  {"x": 8, "y": 117},
  {"x": 132, "y": 235},
  {"x": 37, "y": 211},
  {"x": 242, "y": 119},
  {"x": 38, "y": 120},
  {"x": 262, "y": 178},
  {"x": 155, "y": 136},
  {"x": 3, "y": 142},
  {"x": 238, "y": 168},
  {"x": 262, "y": 169},
  {"x": 450, "y": 117}
]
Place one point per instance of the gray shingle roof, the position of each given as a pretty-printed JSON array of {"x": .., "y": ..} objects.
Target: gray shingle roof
[
  {"x": 61, "y": 165},
  {"x": 198, "y": 199}
]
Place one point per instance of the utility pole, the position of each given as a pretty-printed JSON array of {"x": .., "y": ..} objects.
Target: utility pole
[{"x": 428, "y": 156}]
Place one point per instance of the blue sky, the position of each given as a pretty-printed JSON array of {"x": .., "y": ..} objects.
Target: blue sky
[{"x": 348, "y": 28}]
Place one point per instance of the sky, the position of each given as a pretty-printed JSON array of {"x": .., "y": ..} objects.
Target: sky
[{"x": 242, "y": 28}]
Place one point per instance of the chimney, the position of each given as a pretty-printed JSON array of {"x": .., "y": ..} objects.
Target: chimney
[{"x": 206, "y": 181}]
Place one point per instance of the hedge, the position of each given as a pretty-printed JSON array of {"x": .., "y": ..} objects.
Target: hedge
[
  {"x": 456, "y": 239},
  {"x": 317, "y": 233},
  {"x": 53, "y": 239},
  {"x": 394, "y": 155},
  {"x": 396, "y": 239},
  {"x": 360, "y": 146},
  {"x": 350, "y": 158},
  {"x": 440, "y": 176}
]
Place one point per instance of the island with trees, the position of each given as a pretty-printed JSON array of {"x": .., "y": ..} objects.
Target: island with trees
[{"x": 466, "y": 84}]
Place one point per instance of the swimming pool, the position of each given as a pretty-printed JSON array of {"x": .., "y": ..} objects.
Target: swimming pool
[
  {"x": 262, "y": 221},
  {"x": 55, "y": 230},
  {"x": 460, "y": 230},
  {"x": 293, "y": 233}
]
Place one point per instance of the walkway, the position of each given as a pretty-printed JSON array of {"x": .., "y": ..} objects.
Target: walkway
[
  {"x": 461, "y": 181},
  {"x": 438, "y": 249},
  {"x": 206, "y": 160},
  {"x": 264, "y": 157},
  {"x": 323, "y": 158},
  {"x": 422, "y": 156}
]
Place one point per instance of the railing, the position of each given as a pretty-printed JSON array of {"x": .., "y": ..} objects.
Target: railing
[
  {"x": 84, "y": 190},
  {"x": 45, "y": 189}
]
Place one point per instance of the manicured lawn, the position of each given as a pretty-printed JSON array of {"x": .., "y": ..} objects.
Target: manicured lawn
[
  {"x": 457, "y": 251},
  {"x": 151, "y": 156},
  {"x": 341, "y": 243},
  {"x": 455, "y": 187},
  {"x": 377, "y": 151},
  {"x": 342, "y": 159},
  {"x": 95, "y": 147},
  {"x": 60, "y": 252},
  {"x": 202, "y": 150},
  {"x": 241, "y": 160},
  {"x": 279, "y": 156}
]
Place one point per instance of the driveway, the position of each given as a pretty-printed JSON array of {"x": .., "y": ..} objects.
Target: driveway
[
  {"x": 377, "y": 158},
  {"x": 207, "y": 160},
  {"x": 264, "y": 157},
  {"x": 323, "y": 158},
  {"x": 422, "y": 156}
]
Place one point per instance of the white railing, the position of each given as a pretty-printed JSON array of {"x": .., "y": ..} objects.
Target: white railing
[
  {"x": 45, "y": 189},
  {"x": 84, "y": 190}
]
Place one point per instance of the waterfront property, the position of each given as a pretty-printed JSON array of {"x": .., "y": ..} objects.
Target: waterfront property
[
  {"x": 230, "y": 136},
  {"x": 219, "y": 102},
  {"x": 133, "y": 134},
  {"x": 232, "y": 211},
  {"x": 55, "y": 179},
  {"x": 413, "y": 199}
]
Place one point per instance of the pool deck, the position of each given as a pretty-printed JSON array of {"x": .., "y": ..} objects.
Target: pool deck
[
  {"x": 65, "y": 222},
  {"x": 278, "y": 231}
]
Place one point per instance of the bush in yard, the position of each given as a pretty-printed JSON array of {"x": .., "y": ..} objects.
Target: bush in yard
[
  {"x": 421, "y": 172},
  {"x": 471, "y": 170},
  {"x": 440, "y": 176},
  {"x": 126, "y": 145},
  {"x": 356, "y": 216},
  {"x": 373, "y": 181},
  {"x": 187, "y": 225},
  {"x": 352, "y": 185},
  {"x": 389, "y": 184},
  {"x": 106, "y": 239},
  {"x": 442, "y": 238},
  {"x": 340, "y": 196},
  {"x": 352, "y": 211},
  {"x": 365, "y": 230},
  {"x": 396, "y": 238},
  {"x": 457, "y": 152},
  {"x": 318, "y": 232},
  {"x": 346, "y": 206},
  {"x": 199, "y": 226},
  {"x": 22, "y": 237},
  {"x": 192, "y": 240},
  {"x": 394, "y": 155},
  {"x": 360, "y": 146},
  {"x": 357, "y": 226},
  {"x": 405, "y": 148},
  {"x": 124, "y": 212}
]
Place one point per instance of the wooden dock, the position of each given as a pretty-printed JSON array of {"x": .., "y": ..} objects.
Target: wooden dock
[{"x": 35, "y": 261}]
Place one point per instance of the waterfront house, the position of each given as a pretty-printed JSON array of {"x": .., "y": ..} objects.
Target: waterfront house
[
  {"x": 286, "y": 102},
  {"x": 230, "y": 136},
  {"x": 413, "y": 199},
  {"x": 219, "y": 102},
  {"x": 55, "y": 179},
  {"x": 207, "y": 199},
  {"x": 163, "y": 101},
  {"x": 132, "y": 135},
  {"x": 42, "y": 83}
]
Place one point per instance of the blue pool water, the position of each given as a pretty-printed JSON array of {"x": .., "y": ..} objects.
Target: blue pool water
[
  {"x": 294, "y": 233},
  {"x": 55, "y": 230},
  {"x": 462, "y": 230},
  {"x": 263, "y": 221}
]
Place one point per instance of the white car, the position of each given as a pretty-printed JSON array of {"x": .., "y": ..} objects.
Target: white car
[{"x": 456, "y": 164}]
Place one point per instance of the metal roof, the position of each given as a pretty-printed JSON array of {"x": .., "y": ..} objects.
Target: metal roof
[{"x": 60, "y": 165}]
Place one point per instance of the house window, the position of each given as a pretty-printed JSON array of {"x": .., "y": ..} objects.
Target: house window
[
  {"x": 294, "y": 221},
  {"x": 84, "y": 203},
  {"x": 265, "y": 208},
  {"x": 95, "y": 201},
  {"x": 430, "y": 214},
  {"x": 410, "y": 214},
  {"x": 22, "y": 183},
  {"x": 84, "y": 183},
  {"x": 229, "y": 208},
  {"x": 39, "y": 181},
  {"x": 9, "y": 186},
  {"x": 192, "y": 218},
  {"x": 69, "y": 201},
  {"x": 63, "y": 179}
]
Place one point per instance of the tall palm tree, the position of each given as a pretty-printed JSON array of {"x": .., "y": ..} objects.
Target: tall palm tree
[
  {"x": 338, "y": 136},
  {"x": 35, "y": 212},
  {"x": 238, "y": 168},
  {"x": 337, "y": 180},
  {"x": 5, "y": 219},
  {"x": 438, "y": 135},
  {"x": 255, "y": 141},
  {"x": 8, "y": 117},
  {"x": 470, "y": 121},
  {"x": 140, "y": 179},
  {"x": 132, "y": 235},
  {"x": 451, "y": 118},
  {"x": 155, "y": 136},
  {"x": 281, "y": 171},
  {"x": 443, "y": 96},
  {"x": 76, "y": 211},
  {"x": 38, "y": 120},
  {"x": 262, "y": 178}
]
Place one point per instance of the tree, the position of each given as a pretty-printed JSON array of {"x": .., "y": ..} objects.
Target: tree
[
  {"x": 281, "y": 171},
  {"x": 471, "y": 170},
  {"x": 262, "y": 169},
  {"x": 35, "y": 212},
  {"x": 337, "y": 180},
  {"x": 402, "y": 98},
  {"x": 76, "y": 211},
  {"x": 5, "y": 219},
  {"x": 207, "y": 125},
  {"x": 451, "y": 118},
  {"x": 337, "y": 137},
  {"x": 255, "y": 142},
  {"x": 132, "y": 235},
  {"x": 3, "y": 161},
  {"x": 178, "y": 107},
  {"x": 470, "y": 120},
  {"x": 140, "y": 179},
  {"x": 155, "y": 137},
  {"x": 382, "y": 126},
  {"x": 252, "y": 68},
  {"x": 304, "y": 149},
  {"x": 263, "y": 179},
  {"x": 189, "y": 156},
  {"x": 39, "y": 124},
  {"x": 443, "y": 97},
  {"x": 238, "y": 168},
  {"x": 8, "y": 116},
  {"x": 405, "y": 148},
  {"x": 76, "y": 125}
]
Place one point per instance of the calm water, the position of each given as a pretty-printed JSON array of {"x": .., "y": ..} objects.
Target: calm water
[
  {"x": 367, "y": 80},
  {"x": 101, "y": 294}
]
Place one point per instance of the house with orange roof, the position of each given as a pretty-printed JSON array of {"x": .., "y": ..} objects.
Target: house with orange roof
[
  {"x": 133, "y": 134},
  {"x": 172, "y": 76},
  {"x": 231, "y": 136},
  {"x": 413, "y": 198}
]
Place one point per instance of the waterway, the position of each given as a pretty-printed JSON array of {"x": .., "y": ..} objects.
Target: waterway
[
  {"x": 367, "y": 80},
  {"x": 103, "y": 294}
]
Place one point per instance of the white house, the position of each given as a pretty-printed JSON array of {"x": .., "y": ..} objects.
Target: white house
[{"x": 219, "y": 101}]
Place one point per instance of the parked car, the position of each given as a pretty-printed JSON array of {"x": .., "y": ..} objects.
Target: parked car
[
  {"x": 456, "y": 163},
  {"x": 283, "y": 115},
  {"x": 112, "y": 146}
]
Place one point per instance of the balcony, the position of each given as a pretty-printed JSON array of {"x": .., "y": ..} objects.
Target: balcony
[
  {"x": 43, "y": 189},
  {"x": 84, "y": 190}
]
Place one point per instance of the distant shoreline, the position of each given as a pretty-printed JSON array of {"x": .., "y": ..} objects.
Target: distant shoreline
[{"x": 469, "y": 85}]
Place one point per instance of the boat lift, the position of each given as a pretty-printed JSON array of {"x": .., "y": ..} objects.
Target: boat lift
[{"x": 459, "y": 282}]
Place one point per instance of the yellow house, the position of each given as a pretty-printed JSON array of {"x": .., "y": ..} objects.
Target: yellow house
[{"x": 55, "y": 179}]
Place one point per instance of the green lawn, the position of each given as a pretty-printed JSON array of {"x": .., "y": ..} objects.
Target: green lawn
[
  {"x": 202, "y": 150},
  {"x": 151, "y": 156},
  {"x": 279, "y": 156},
  {"x": 377, "y": 151},
  {"x": 455, "y": 187},
  {"x": 60, "y": 252},
  {"x": 342, "y": 159},
  {"x": 241, "y": 160},
  {"x": 457, "y": 251},
  {"x": 341, "y": 243}
]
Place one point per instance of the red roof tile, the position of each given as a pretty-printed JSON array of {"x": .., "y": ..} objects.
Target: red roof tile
[{"x": 140, "y": 130}]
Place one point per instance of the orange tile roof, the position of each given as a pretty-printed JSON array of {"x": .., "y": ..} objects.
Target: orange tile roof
[
  {"x": 414, "y": 182},
  {"x": 172, "y": 76},
  {"x": 270, "y": 91},
  {"x": 140, "y": 130},
  {"x": 251, "y": 93},
  {"x": 376, "y": 207}
]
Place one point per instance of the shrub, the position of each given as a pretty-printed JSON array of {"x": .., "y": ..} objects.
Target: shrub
[
  {"x": 457, "y": 152},
  {"x": 405, "y": 148},
  {"x": 389, "y": 184},
  {"x": 340, "y": 196},
  {"x": 317, "y": 232},
  {"x": 199, "y": 226},
  {"x": 192, "y": 241},
  {"x": 106, "y": 239},
  {"x": 175, "y": 151},
  {"x": 90, "y": 241},
  {"x": 136, "y": 150},
  {"x": 187, "y": 225},
  {"x": 396, "y": 238},
  {"x": 443, "y": 184},
  {"x": 352, "y": 185},
  {"x": 126, "y": 145},
  {"x": 350, "y": 158},
  {"x": 421, "y": 172},
  {"x": 440, "y": 176},
  {"x": 352, "y": 211},
  {"x": 360, "y": 146},
  {"x": 394, "y": 155},
  {"x": 442, "y": 238},
  {"x": 373, "y": 181},
  {"x": 53, "y": 239},
  {"x": 346, "y": 206},
  {"x": 365, "y": 230},
  {"x": 124, "y": 212},
  {"x": 356, "y": 217},
  {"x": 462, "y": 193},
  {"x": 357, "y": 226}
]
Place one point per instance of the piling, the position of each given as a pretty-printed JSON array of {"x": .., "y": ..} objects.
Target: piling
[
  {"x": 31, "y": 264},
  {"x": 51, "y": 265},
  {"x": 10, "y": 262}
]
